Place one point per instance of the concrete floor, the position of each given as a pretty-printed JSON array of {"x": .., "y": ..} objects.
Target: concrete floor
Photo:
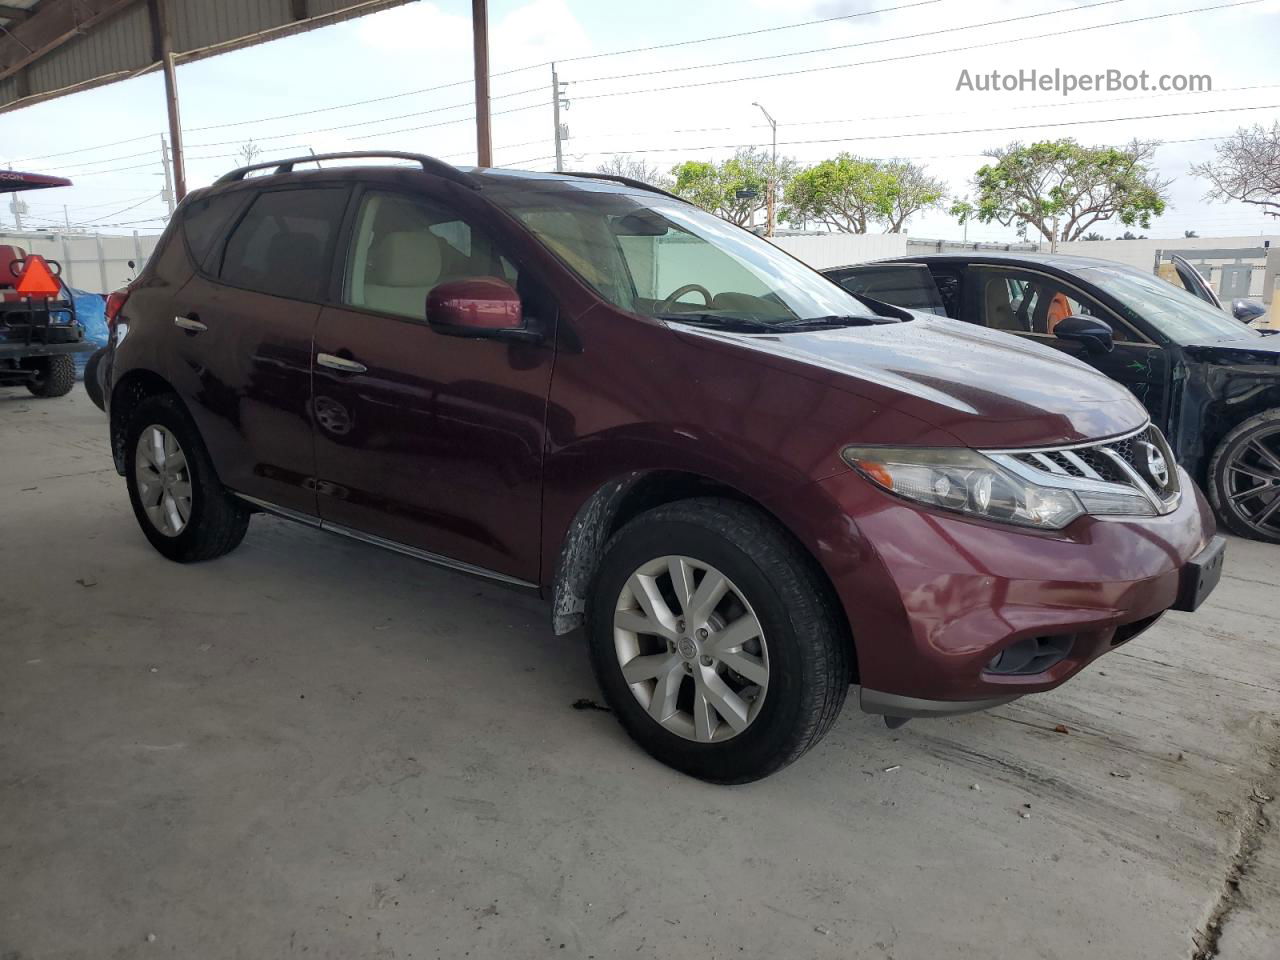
[{"x": 311, "y": 748}]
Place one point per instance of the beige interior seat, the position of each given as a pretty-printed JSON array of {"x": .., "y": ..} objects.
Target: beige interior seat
[
  {"x": 403, "y": 267},
  {"x": 999, "y": 314}
]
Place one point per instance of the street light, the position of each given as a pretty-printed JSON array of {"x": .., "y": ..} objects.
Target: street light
[{"x": 771, "y": 197}]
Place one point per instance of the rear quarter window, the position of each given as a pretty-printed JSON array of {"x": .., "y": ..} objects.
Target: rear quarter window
[{"x": 203, "y": 221}]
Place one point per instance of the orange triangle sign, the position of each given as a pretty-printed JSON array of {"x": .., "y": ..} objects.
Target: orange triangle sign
[{"x": 37, "y": 279}]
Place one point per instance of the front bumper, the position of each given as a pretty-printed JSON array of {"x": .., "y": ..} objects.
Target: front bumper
[{"x": 932, "y": 597}]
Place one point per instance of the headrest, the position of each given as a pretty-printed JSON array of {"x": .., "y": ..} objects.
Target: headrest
[
  {"x": 408, "y": 258},
  {"x": 7, "y": 255}
]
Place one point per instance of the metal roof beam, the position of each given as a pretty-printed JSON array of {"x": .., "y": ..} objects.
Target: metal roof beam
[
  {"x": 52, "y": 24},
  {"x": 14, "y": 13}
]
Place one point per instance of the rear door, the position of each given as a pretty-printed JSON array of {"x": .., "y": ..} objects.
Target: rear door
[
  {"x": 424, "y": 440},
  {"x": 1030, "y": 304},
  {"x": 243, "y": 333},
  {"x": 908, "y": 285}
]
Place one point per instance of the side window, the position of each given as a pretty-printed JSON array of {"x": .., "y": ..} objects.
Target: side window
[
  {"x": 903, "y": 285},
  {"x": 283, "y": 245},
  {"x": 403, "y": 246},
  {"x": 203, "y": 220},
  {"x": 1031, "y": 303}
]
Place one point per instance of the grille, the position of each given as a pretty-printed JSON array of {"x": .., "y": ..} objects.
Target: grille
[
  {"x": 1106, "y": 461},
  {"x": 1141, "y": 461}
]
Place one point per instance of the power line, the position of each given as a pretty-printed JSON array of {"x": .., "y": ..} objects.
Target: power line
[
  {"x": 946, "y": 133},
  {"x": 100, "y": 146},
  {"x": 850, "y": 46},
  {"x": 108, "y": 216},
  {"x": 744, "y": 33},
  {"x": 914, "y": 56}
]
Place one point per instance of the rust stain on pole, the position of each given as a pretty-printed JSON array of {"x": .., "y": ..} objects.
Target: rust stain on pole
[{"x": 480, "y": 31}]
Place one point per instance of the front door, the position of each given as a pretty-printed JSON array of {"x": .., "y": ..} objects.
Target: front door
[
  {"x": 1031, "y": 304},
  {"x": 243, "y": 327},
  {"x": 425, "y": 440}
]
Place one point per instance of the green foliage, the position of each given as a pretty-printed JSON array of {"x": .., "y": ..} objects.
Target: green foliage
[
  {"x": 1064, "y": 188},
  {"x": 715, "y": 187},
  {"x": 849, "y": 194}
]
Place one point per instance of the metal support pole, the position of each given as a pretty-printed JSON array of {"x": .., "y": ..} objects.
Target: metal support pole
[
  {"x": 480, "y": 35},
  {"x": 102, "y": 265},
  {"x": 162, "y": 47}
]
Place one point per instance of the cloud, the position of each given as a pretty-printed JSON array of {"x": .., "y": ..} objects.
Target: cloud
[{"x": 416, "y": 26}]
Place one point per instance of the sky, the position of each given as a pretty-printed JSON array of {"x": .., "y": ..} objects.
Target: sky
[{"x": 887, "y": 90}]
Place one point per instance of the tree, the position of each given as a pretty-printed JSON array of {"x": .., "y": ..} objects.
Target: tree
[
  {"x": 1190, "y": 234},
  {"x": 735, "y": 189},
  {"x": 1061, "y": 188},
  {"x": 248, "y": 152},
  {"x": 846, "y": 193},
  {"x": 624, "y": 165},
  {"x": 913, "y": 191},
  {"x": 1130, "y": 235},
  {"x": 1093, "y": 235},
  {"x": 1247, "y": 169}
]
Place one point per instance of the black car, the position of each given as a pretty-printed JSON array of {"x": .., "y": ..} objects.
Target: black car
[{"x": 1210, "y": 382}]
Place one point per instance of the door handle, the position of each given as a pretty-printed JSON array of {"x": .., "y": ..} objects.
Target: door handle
[
  {"x": 191, "y": 323},
  {"x": 340, "y": 363}
]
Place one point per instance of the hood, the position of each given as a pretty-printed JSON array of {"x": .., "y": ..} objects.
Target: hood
[
  {"x": 987, "y": 389},
  {"x": 1243, "y": 351}
]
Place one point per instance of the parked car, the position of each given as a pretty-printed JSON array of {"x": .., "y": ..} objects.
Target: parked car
[
  {"x": 1244, "y": 309},
  {"x": 1211, "y": 384},
  {"x": 40, "y": 337},
  {"x": 750, "y": 488}
]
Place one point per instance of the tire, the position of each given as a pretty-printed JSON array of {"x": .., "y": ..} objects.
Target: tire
[
  {"x": 93, "y": 385},
  {"x": 1240, "y": 464},
  {"x": 55, "y": 376},
  {"x": 215, "y": 521},
  {"x": 802, "y": 651}
]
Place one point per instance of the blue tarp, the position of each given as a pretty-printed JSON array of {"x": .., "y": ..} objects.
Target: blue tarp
[{"x": 91, "y": 311}]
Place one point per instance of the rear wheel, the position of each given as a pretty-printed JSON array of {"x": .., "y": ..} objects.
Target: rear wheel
[
  {"x": 1244, "y": 478},
  {"x": 180, "y": 504},
  {"x": 54, "y": 376},
  {"x": 713, "y": 639}
]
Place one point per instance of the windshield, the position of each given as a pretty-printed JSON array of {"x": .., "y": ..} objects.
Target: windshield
[
  {"x": 660, "y": 257},
  {"x": 1182, "y": 317}
]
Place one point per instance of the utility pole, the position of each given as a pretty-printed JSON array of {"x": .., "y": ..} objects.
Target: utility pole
[
  {"x": 17, "y": 206},
  {"x": 480, "y": 41},
  {"x": 66, "y": 217},
  {"x": 168, "y": 179},
  {"x": 771, "y": 187},
  {"x": 557, "y": 101}
]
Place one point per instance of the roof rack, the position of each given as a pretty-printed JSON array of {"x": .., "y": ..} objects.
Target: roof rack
[
  {"x": 429, "y": 165},
  {"x": 625, "y": 181}
]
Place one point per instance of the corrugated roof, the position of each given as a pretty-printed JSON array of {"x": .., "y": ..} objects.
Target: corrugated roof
[{"x": 51, "y": 48}]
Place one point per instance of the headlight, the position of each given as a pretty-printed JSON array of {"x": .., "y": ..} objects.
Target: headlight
[{"x": 967, "y": 482}]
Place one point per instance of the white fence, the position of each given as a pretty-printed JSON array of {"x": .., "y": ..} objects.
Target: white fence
[{"x": 94, "y": 262}]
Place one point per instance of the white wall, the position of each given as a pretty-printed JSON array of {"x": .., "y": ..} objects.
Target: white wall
[
  {"x": 92, "y": 262},
  {"x": 838, "y": 249},
  {"x": 1142, "y": 253}
]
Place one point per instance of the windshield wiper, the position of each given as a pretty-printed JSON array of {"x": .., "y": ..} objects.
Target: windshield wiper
[
  {"x": 749, "y": 324},
  {"x": 835, "y": 321}
]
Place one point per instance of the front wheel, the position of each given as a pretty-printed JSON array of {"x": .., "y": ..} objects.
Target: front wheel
[
  {"x": 177, "y": 498},
  {"x": 1244, "y": 478},
  {"x": 714, "y": 639}
]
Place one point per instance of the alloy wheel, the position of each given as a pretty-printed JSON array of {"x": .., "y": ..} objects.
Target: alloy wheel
[
  {"x": 163, "y": 479},
  {"x": 1253, "y": 482},
  {"x": 691, "y": 649}
]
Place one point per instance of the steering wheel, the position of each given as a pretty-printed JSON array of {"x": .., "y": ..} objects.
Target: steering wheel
[{"x": 679, "y": 292}]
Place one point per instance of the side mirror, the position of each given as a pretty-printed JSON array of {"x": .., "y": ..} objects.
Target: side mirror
[
  {"x": 477, "y": 307},
  {"x": 1247, "y": 311},
  {"x": 1095, "y": 334}
]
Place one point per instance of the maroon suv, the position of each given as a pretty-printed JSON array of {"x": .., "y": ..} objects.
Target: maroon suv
[{"x": 751, "y": 487}]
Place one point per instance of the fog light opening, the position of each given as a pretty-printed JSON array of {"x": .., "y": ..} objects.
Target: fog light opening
[{"x": 1030, "y": 655}]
